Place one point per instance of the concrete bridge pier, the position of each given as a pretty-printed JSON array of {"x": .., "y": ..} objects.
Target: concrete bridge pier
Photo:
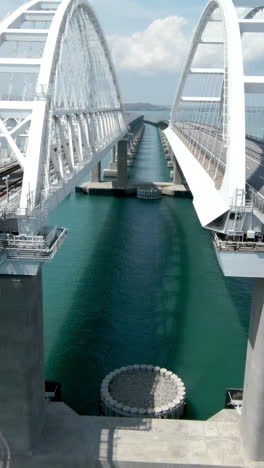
[
  {"x": 133, "y": 139},
  {"x": 113, "y": 162},
  {"x": 132, "y": 143},
  {"x": 177, "y": 173},
  {"x": 122, "y": 176},
  {"x": 96, "y": 173},
  {"x": 252, "y": 419},
  {"x": 22, "y": 387},
  {"x": 114, "y": 154}
]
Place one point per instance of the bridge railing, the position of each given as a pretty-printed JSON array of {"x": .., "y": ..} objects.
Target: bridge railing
[
  {"x": 42, "y": 247},
  {"x": 234, "y": 245},
  {"x": 203, "y": 151},
  {"x": 255, "y": 197}
]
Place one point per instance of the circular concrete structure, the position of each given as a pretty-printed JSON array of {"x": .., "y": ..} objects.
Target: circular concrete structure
[
  {"x": 147, "y": 192},
  {"x": 143, "y": 391}
]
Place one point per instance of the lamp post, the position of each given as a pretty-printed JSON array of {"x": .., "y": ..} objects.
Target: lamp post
[{"x": 5, "y": 178}]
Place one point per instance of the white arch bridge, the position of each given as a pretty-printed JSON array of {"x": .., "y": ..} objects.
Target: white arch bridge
[
  {"x": 216, "y": 131},
  {"x": 60, "y": 113}
]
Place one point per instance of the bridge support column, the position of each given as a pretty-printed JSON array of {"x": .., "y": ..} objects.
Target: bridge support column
[
  {"x": 113, "y": 159},
  {"x": 122, "y": 163},
  {"x": 177, "y": 174},
  {"x": 252, "y": 420},
  {"x": 96, "y": 173},
  {"x": 22, "y": 389}
]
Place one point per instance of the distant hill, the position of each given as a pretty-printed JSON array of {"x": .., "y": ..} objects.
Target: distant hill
[{"x": 145, "y": 106}]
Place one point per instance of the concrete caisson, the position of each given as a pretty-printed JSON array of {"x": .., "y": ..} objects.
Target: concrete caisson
[
  {"x": 149, "y": 193},
  {"x": 143, "y": 391}
]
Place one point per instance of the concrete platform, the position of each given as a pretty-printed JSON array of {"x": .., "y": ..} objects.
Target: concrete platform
[
  {"x": 112, "y": 188},
  {"x": 76, "y": 441}
]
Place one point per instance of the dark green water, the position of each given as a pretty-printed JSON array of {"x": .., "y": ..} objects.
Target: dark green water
[{"x": 138, "y": 282}]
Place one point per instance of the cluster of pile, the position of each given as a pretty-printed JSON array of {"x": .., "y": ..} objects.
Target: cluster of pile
[
  {"x": 148, "y": 192},
  {"x": 143, "y": 391}
]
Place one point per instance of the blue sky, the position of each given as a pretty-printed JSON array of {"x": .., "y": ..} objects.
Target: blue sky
[{"x": 149, "y": 40}]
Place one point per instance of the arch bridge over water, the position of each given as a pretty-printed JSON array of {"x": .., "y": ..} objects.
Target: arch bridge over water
[
  {"x": 60, "y": 115},
  {"x": 216, "y": 132},
  {"x": 215, "y": 137}
]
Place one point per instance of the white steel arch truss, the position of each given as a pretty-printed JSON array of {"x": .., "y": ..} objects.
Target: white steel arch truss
[
  {"x": 210, "y": 200},
  {"x": 60, "y": 104}
]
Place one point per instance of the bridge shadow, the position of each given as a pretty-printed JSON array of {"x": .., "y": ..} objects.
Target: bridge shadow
[
  {"x": 146, "y": 294},
  {"x": 241, "y": 300},
  {"x": 129, "y": 305}
]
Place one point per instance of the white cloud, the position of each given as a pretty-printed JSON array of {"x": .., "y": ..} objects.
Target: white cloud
[
  {"x": 162, "y": 46},
  {"x": 253, "y": 47}
]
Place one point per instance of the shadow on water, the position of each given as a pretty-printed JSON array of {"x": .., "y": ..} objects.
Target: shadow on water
[
  {"x": 138, "y": 282},
  {"x": 146, "y": 290},
  {"x": 243, "y": 299},
  {"x": 124, "y": 308}
]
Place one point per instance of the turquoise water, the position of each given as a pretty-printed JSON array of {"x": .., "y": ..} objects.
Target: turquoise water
[{"x": 138, "y": 282}]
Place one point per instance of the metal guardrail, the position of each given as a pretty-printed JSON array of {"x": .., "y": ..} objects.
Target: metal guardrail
[
  {"x": 7, "y": 164},
  {"x": 233, "y": 245},
  {"x": 252, "y": 195},
  {"x": 255, "y": 197},
  {"x": 41, "y": 248},
  {"x": 131, "y": 116}
]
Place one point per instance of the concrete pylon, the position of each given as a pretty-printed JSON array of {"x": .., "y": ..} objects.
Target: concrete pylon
[
  {"x": 114, "y": 151},
  {"x": 177, "y": 174},
  {"x": 252, "y": 419},
  {"x": 122, "y": 177},
  {"x": 96, "y": 173},
  {"x": 22, "y": 387}
]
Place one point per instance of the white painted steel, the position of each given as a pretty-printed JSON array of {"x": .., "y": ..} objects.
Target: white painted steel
[
  {"x": 211, "y": 42},
  {"x": 19, "y": 65},
  {"x": 251, "y": 25},
  {"x": 200, "y": 99},
  {"x": 254, "y": 84},
  {"x": 207, "y": 201},
  {"x": 232, "y": 103},
  {"x": 34, "y": 35},
  {"x": 209, "y": 71},
  {"x": 67, "y": 113}
]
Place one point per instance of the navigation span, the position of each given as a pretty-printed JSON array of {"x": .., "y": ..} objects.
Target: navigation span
[{"x": 57, "y": 124}]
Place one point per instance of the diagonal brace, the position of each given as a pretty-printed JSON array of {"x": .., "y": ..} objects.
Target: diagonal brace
[{"x": 12, "y": 144}]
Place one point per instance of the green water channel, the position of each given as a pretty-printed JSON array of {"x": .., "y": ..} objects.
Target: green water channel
[{"x": 138, "y": 282}]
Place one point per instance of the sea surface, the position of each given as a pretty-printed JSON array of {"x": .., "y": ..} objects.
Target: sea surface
[{"x": 138, "y": 282}]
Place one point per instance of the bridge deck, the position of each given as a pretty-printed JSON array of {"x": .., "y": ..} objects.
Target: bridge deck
[
  {"x": 112, "y": 188},
  {"x": 205, "y": 141}
]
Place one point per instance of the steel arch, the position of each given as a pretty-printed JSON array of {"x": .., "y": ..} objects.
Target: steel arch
[
  {"x": 233, "y": 98},
  {"x": 67, "y": 138}
]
